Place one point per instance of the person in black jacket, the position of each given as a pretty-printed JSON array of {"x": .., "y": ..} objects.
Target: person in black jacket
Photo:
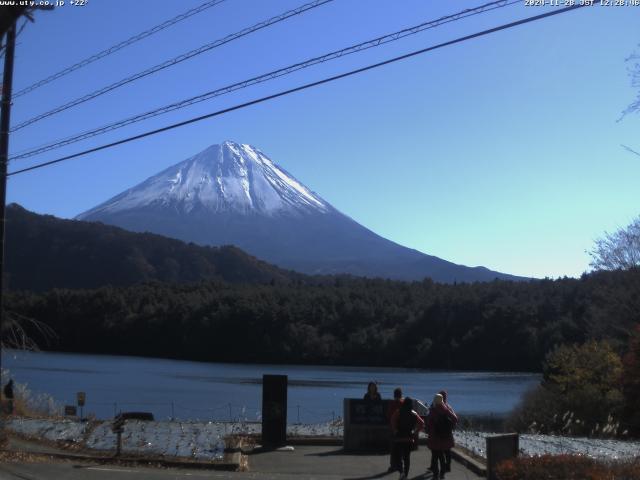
[
  {"x": 406, "y": 423},
  {"x": 372, "y": 392},
  {"x": 394, "y": 406}
]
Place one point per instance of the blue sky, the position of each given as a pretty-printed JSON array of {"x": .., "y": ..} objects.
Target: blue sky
[{"x": 504, "y": 151}]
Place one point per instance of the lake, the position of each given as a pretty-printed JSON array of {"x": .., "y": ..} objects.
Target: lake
[{"x": 223, "y": 391}]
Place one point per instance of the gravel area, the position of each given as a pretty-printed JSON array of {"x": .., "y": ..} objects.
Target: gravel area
[
  {"x": 53, "y": 430},
  {"x": 205, "y": 440},
  {"x": 195, "y": 440},
  {"x": 555, "y": 445}
]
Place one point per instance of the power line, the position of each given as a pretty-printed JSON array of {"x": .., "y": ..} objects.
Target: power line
[
  {"x": 629, "y": 149},
  {"x": 173, "y": 61},
  {"x": 267, "y": 76},
  {"x": 302, "y": 87},
  {"x": 118, "y": 46}
]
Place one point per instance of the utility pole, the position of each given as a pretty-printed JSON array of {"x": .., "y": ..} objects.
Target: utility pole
[
  {"x": 5, "y": 124},
  {"x": 9, "y": 15},
  {"x": 5, "y": 113}
]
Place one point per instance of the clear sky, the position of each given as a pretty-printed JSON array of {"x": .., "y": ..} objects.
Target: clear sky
[{"x": 504, "y": 151}]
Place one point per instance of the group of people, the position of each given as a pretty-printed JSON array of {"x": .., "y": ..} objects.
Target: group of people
[{"x": 405, "y": 424}]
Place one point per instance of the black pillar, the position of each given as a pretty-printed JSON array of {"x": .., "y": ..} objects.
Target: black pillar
[{"x": 274, "y": 410}]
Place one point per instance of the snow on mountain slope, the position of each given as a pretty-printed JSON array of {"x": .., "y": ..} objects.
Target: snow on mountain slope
[{"x": 223, "y": 178}]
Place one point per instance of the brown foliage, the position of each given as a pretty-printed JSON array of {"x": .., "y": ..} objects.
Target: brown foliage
[
  {"x": 580, "y": 393},
  {"x": 567, "y": 467},
  {"x": 631, "y": 385}
]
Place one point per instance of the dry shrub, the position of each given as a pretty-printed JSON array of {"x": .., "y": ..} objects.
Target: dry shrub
[
  {"x": 537, "y": 412},
  {"x": 21, "y": 408},
  {"x": 567, "y": 467},
  {"x": 27, "y": 403}
]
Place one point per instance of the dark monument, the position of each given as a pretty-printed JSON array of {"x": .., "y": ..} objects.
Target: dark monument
[
  {"x": 499, "y": 448},
  {"x": 274, "y": 410}
]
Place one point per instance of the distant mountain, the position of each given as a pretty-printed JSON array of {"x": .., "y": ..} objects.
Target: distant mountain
[
  {"x": 43, "y": 252},
  {"x": 234, "y": 194}
]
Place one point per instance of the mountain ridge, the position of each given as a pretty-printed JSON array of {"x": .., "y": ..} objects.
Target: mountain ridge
[
  {"x": 234, "y": 194},
  {"x": 45, "y": 252}
]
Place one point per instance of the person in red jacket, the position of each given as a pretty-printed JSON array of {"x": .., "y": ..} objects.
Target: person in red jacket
[
  {"x": 406, "y": 423},
  {"x": 440, "y": 424},
  {"x": 447, "y": 453},
  {"x": 394, "y": 406}
]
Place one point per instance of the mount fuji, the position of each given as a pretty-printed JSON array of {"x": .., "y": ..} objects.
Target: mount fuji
[{"x": 234, "y": 194}]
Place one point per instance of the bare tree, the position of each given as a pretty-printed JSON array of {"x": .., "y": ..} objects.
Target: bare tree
[
  {"x": 15, "y": 332},
  {"x": 618, "y": 250}
]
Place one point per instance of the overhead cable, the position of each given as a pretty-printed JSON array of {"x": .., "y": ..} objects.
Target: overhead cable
[
  {"x": 117, "y": 47},
  {"x": 171, "y": 62},
  {"x": 265, "y": 77},
  {"x": 301, "y": 87}
]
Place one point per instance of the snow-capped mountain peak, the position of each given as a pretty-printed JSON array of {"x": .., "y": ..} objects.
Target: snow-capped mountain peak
[
  {"x": 229, "y": 177},
  {"x": 233, "y": 194}
]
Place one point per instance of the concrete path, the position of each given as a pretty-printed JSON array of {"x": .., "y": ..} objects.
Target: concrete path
[
  {"x": 331, "y": 462},
  {"x": 304, "y": 462}
]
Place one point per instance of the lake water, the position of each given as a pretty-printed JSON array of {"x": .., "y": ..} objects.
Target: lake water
[{"x": 223, "y": 391}]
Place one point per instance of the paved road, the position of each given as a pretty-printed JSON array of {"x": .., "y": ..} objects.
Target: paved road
[{"x": 321, "y": 463}]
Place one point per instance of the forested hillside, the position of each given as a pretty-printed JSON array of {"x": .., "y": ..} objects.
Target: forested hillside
[
  {"x": 44, "y": 252},
  {"x": 498, "y": 326}
]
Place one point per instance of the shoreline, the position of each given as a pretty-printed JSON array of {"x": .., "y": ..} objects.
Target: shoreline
[
  {"x": 292, "y": 366},
  {"x": 172, "y": 389}
]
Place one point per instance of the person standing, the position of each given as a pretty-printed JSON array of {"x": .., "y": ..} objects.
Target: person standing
[
  {"x": 372, "y": 392},
  {"x": 394, "y": 406},
  {"x": 8, "y": 395},
  {"x": 440, "y": 425},
  {"x": 447, "y": 452},
  {"x": 406, "y": 423}
]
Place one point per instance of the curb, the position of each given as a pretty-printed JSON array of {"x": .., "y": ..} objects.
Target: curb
[
  {"x": 231, "y": 461},
  {"x": 316, "y": 442},
  {"x": 471, "y": 463}
]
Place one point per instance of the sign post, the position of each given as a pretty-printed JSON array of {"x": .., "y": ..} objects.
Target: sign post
[
  {"x": 118, "y": 427},
  {"x": 82, "y": 397}
]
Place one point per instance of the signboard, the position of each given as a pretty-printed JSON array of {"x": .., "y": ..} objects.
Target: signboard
[
  {"x": 368, "y": 412},
  {"x": 81, "y": 398},
  {"x": 70, "y": 410},
  {"x": 366, "y": 427}
]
